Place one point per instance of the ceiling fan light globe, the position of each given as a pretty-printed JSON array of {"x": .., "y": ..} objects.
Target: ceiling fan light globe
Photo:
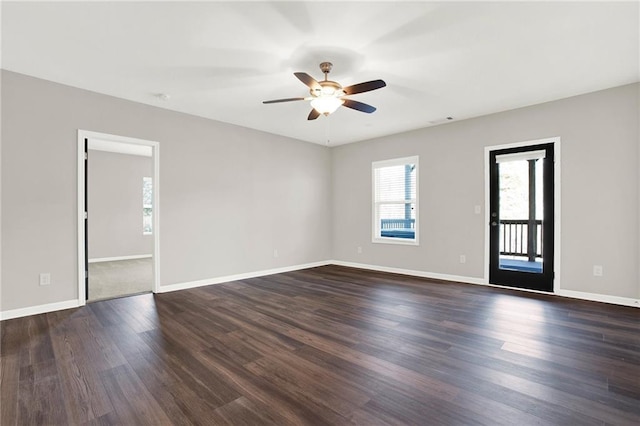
[{"x": 326, "y": 104}]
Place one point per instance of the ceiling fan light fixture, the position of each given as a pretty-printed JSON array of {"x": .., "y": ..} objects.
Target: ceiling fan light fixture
[
  {"x": 330, "y": 88},
  {"x": 328, "y": 91},
  {"x": 326, "y": 104}
]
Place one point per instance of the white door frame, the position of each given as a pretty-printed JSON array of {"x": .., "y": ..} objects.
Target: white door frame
[
  {"x": 155, "y": 148},
  {"x": 556, "y": 201}
]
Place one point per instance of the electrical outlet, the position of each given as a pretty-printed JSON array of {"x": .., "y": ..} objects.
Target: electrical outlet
[
  {"x": 359, "y": 249},
  {"x": 463, "y": 258},
  {"x": 275, "y": 253},
  {"x": 597, "y": 270},
  {"x": 477, "y": 209},
  {"x": 45, "y": 279}
]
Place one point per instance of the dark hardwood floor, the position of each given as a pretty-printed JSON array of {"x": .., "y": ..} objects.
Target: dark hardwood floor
[{"x": 329, "y": 345}]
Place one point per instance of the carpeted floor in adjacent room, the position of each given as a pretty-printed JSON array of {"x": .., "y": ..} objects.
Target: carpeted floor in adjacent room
[{"x": 120, "y": 278}]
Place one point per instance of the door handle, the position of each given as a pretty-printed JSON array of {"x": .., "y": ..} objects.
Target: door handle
[{"x": 494, "y": 223}]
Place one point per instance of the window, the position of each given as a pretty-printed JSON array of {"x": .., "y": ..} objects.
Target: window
[
  {"x": 147, "y": 206},
  {"x": 395, "y": 201}
]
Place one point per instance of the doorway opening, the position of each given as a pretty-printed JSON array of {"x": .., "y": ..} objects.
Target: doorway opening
[
  {"x": 522, "y": 224},
  {"x": 118, "y": 228}
]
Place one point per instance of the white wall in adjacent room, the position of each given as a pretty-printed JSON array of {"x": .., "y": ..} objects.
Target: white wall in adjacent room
[{"x": 115, "y": 204}]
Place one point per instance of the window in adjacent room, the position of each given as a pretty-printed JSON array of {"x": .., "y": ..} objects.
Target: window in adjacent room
[
  {"x": 395, "y": 201},
  {"x": 147, "y": 206}
]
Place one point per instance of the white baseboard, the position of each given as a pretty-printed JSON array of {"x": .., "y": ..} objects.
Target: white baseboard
[
  {"x": 604, "y": 298},
  {"x": 39, "y": 309},
  {"x": 229, "y": 278},
  {"x": 58, "y": 306},
  {"x": 422, "y": 274},
  {"x": 113, "y": 259},
  {"x": 625, "y": 301}
]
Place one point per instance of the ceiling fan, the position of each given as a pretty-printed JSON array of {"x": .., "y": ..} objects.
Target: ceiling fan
[{"x": 327, "y": 96}]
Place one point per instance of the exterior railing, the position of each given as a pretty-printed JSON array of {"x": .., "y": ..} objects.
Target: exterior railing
[
  {"x": 398, "y": 228},
  {"x": 397, "y": 223},
  {"x": 521, "y": 237}
]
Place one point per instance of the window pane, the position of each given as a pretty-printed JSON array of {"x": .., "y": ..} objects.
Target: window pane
[
  {"x": 147, "y": 205},
  {"x": 395, "y": 202},
  {"x": 396, "y": 183},
  {"x": 147, "y": 217},
  {"x": 514, "y": 186},
  {"x": 397, "y": 220},
  {"x": 147, "y": 191}
]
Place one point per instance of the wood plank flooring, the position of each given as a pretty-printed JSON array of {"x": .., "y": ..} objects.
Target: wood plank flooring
[{"x": 328, "y": 345}]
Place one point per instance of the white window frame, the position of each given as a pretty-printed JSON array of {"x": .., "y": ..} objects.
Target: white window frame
[{"x": 376, "y": 231}]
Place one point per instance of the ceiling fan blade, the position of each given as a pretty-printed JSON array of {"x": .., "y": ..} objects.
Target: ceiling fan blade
[
  {"x": 275, "y": 101},
  {"x": 364, "y": 87},
  {"x": 350, "y": 103},
  {"x": 313, "y": 115},
  {"x": 308, "y": 80}
]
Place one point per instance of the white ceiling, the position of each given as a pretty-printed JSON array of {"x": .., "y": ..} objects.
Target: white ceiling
[{"x": 220, "y": 60}]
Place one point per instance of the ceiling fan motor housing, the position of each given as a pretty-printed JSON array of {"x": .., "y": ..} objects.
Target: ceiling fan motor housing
[{"x": 325, "y": 67}]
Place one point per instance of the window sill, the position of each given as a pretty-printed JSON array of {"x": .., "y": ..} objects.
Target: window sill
[{"x": 396, "y": 241}]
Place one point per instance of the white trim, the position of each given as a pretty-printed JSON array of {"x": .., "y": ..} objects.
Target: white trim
[
  {"x": 394, "y": 162},
  {"x": 414, "y": 273},
  {"x": 51, "y": 307},
  {"x": 557, "y": 235},
  {"x": 236, "y": 277},
  {"x": 396, "y": 240},
  {"x": 117, "y": 258},
  {"x": 155, "y": 146},
  {"x": 156, "y": 217},
  {"x": 521, "y": 156},
  {"x": 604, "y": 298},
  {"x": 615, "y": 300},
  {"x": 120, "y": 148},
  {"x": 557, "y": 190},
  {"x": 80, "y": 197},
  {"x": 39, "y": 309},
  {"x": 592, "y": 297}
]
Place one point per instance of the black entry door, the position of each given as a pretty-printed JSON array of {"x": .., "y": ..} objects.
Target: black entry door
[{"x": 521, "y": 217}]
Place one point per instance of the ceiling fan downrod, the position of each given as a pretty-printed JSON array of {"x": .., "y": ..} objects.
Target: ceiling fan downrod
[{"x": 325, "y": 67}]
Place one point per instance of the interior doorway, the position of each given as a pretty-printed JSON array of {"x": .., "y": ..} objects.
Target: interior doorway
[
  {"x": 118, "y": 227},
  {"x": 522, "y": 216}
]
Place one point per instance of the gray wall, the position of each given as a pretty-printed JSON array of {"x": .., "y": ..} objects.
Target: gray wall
[
  {"x": 229, "y": 195},
  {"x": 599, "y": 184},
  {"x": 115, "y": 204}
]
